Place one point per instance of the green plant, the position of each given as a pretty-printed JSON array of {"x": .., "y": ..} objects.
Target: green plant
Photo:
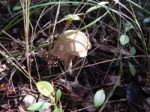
[
  {"x": 99, "y": 98},
  {"x": 46, "y": 89},
  {"x": 124, "y": 39}
]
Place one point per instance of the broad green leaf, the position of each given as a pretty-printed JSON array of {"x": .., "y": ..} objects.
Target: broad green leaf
[
  {"x": 38, "y": 106},
  {"x": 99, "y": 98},
  {"x": 72, "y": 17},
  {"x": 58, "y": 95},
  {"x": 45, "y": 88},
  {"x": 128, "y": 26},
  {"x": 99, "y": 5},
  {"x": 57, "y": 109},
  {"x": 132, "y": 69},
  {"x": 124, "y": 39},
  {"x": 132, "y": 51},
  {"x": 17, "y": 7}
]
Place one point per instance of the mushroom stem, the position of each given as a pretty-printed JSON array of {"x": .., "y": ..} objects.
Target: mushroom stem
[{"x": 68, "y": 63}]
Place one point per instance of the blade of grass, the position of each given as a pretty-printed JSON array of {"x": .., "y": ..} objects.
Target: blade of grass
[{"x": 26, "y": 17}]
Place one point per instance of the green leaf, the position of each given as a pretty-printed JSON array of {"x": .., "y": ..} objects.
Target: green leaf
[
  {"x": 58, "y": 95},
  {"x": 146, "y": 21},
  {"x": 17, "y": 7},
  {"x": 57, "y": 109},
  {"x": 99, "y": 98},
  {"x": 45, "y": 88},
  {"x": 99, "y": 5},
  {"x": 72, "y": 17},
  {"x": 128, "y": 26},
  {"x": 132, "y": 69},
  {"x": 38, "y": 106},
  {"x": 124, "y": 39},
  {"x": 132, "y": 51}
]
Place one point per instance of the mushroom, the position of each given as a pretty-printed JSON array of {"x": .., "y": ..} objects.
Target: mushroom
[{"x": 71, "y": 43}]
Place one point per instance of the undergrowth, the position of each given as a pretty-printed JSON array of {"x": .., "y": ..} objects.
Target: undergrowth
[{"x": 120, "y": 46}]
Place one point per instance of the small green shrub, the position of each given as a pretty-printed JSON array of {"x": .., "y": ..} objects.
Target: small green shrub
[{"x": 47, "y": 90}]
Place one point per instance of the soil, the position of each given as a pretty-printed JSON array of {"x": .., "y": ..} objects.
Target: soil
[{"x": 105, "y": 67}]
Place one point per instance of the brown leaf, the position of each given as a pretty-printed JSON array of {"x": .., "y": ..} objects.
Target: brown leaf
[
  {"x": 114, "y": 50},
  {"x": 81, "y": 94}
]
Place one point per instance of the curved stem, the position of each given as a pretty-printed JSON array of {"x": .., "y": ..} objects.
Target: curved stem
[{"x": 68, "y": 63}]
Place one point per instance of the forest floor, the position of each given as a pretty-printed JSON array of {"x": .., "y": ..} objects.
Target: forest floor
[{"x": 119, "y": 67}]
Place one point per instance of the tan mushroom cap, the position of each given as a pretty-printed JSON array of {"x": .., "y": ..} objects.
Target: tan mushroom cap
[{"x": 71, "y": 42}]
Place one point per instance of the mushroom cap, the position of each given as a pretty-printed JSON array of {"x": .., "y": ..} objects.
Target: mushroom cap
[{"x": 71, "y": 42}]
